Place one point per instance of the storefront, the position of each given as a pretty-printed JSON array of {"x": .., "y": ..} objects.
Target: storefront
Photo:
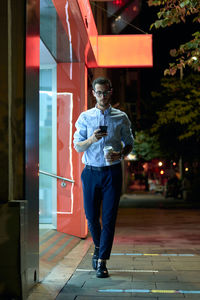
[
  {"x": 68, "y": 35},
  {"x": 69, "y": 44},
  {"x": 49, "y": 46}
]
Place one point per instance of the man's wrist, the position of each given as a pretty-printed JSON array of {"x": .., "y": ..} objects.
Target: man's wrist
[
  {"x": 122, "y": 154},
  {"x": 125, "y": 151},
  {"x": 92, "y": 139}
]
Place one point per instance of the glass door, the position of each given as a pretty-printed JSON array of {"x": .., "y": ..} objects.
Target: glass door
[{"x": 47, "y": 139}]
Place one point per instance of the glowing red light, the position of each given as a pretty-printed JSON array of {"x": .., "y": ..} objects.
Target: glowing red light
[
  {"x": 33, "y": 51},
  {"x": 135, "y": 8},
  {"x": 118, "y": 2}
]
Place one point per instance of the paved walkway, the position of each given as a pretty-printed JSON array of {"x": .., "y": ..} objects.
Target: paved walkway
[
  {"x": 156, "y": 255},
  {"x": 54, "y": 246}
]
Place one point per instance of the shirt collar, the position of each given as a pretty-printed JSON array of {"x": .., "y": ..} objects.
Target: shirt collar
[{"x": 106, "y": 112}]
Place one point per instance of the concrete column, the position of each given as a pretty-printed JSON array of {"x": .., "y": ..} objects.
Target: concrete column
[
  {"x": 17, "y": 265},
  {"x": 12, "y": 142}
]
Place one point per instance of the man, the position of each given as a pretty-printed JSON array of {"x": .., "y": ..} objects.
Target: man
[{"x": 102, "y": 182}]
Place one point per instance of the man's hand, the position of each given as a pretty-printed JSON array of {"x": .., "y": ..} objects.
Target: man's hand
[
  {"x": 97, "y": 135},
  {"x": 84, "y": 145},
  {"x": 113, "y": 156}
]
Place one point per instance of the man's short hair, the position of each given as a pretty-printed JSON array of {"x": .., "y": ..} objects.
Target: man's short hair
[{"x": 102, "y": 80}]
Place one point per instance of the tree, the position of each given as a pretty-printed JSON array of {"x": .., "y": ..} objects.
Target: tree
[
  {"x": 146, "y": 147},
  {"x": 174, "y": 12},
  {"x": 181, "y": 106},
  {"x": 178, "y": 123}
]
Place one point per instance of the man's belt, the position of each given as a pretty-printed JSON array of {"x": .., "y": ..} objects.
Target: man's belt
[{"x": 104, "y": 168}]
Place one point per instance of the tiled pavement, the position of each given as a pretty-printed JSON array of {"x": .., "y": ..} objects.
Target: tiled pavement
[
  {"x": 54, "y": 246},
  {"x": 156, "y": 255},
  {"x": 137, "y": 276}
]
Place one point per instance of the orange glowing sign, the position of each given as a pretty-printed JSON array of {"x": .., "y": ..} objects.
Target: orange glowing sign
[{"x": 125, "y": 50}]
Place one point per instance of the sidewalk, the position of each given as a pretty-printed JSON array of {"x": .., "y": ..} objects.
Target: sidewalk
[
  {"x": 139, "y": 273},
  {"x": 156, "y": 255}
]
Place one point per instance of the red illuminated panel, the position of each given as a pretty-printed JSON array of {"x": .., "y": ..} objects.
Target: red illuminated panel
[
  {"x": 90, "y": 26},
  {"x": 77, "y": 20},
  {"x": 71, "y": 101},
  {"x": 125, "y": 50},
  {"x": 33, "y": 51},
  {"x": 87, "y": 15}
]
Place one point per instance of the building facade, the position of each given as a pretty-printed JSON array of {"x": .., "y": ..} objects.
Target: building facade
[{"x": 48, "y": 48}]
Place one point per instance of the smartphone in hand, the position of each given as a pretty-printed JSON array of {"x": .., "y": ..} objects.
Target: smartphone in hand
[{"x": 103, "y": 129}]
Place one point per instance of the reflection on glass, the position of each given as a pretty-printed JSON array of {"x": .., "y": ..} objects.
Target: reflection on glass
[
  {"x": 47, "y": 139},
  {"x": 65, "y": 140},
  {"x": 53, "y": 35}
]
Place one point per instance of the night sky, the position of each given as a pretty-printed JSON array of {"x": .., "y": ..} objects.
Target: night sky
[{"x": 164, "y": 39}]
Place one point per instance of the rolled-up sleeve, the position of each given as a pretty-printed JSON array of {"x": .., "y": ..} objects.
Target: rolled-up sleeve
[
  {"x": 126, "y": 132},
  {"x": 81, "y": 131}
]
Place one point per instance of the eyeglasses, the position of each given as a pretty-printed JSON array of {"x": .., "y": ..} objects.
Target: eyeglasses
[{"x": 100, "y": 93}]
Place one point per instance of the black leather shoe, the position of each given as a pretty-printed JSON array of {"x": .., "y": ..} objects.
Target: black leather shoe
[
  {"x": 95, "y": 258},
  {"x": 102, "y": 271}
]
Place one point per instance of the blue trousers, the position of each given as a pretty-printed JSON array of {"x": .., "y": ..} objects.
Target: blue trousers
[{"x": 102, "y": 189}]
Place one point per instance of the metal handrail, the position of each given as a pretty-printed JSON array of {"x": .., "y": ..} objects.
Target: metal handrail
[{"x": 55, "y": 176}]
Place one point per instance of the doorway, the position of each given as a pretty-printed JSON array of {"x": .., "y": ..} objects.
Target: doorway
[{"x": 47, "y": 140}]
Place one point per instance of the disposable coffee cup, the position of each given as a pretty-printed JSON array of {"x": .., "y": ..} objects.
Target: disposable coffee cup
[{"x": 106, "y": 150}]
